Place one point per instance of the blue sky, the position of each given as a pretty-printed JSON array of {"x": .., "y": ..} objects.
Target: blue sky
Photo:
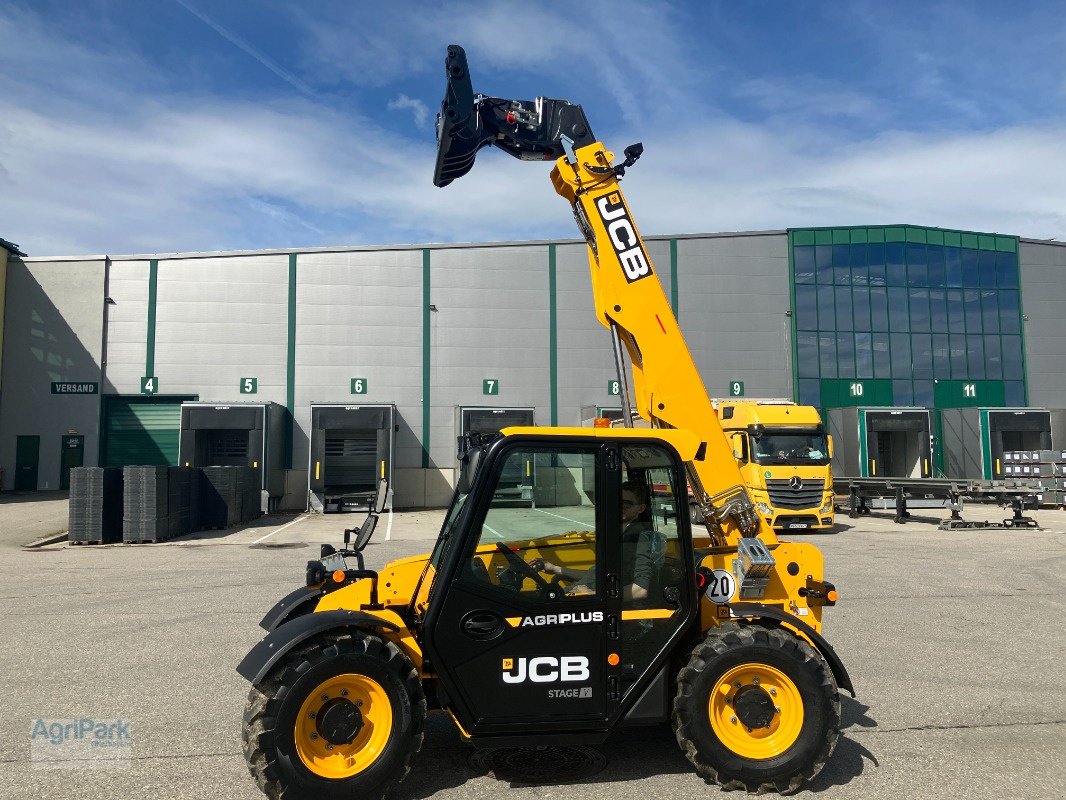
[{"x": 154, "y": 126}]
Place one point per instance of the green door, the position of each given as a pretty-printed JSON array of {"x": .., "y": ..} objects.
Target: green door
[
  {"x": 141, "y": 430},
  {"x": 27, "y": 459},
  {"x": 71, "y": 454}
]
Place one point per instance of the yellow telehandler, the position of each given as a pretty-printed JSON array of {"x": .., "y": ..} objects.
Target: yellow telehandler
[{"x": 590, "y": 605}]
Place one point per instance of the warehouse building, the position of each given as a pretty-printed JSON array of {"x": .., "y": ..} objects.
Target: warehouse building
[{"x": 926, "y": 349}]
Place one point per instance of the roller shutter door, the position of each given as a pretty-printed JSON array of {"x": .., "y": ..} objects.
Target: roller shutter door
[{"x": 141, "y": 431}]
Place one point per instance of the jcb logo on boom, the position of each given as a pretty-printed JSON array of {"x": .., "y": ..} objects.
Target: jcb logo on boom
[
  {"x": 624, "y": 239},
  {"x": 546, "y": 669}
]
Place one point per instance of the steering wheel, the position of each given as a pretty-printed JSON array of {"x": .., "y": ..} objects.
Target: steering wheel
[{"x": 551, "y": 591}]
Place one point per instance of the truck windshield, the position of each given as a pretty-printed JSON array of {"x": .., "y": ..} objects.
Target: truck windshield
[{"x": 794, "y": 447}]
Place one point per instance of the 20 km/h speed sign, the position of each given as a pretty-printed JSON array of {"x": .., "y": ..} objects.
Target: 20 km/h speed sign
[{"x": 720, "y": 586}]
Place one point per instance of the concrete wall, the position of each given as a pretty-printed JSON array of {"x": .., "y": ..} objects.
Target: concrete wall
[
  {"x": 1042, "y": 267},
  {"x": 53, "y": 331}
]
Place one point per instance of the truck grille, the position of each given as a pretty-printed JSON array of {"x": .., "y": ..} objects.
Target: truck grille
[{"x": 782, "y": 495}]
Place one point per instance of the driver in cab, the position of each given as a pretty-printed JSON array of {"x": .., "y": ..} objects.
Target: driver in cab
[{"x": 642, "y": 550}]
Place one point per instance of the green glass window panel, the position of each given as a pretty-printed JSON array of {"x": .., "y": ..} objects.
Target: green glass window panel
[
  {"x": 841, "y": 236},
  {"x": 823, "y": 237},
  {"x": 860, "y": 270},
  {"x": 993, "y": 358},
  {"x": 802, "y": 237},
  {"x": 841, "y": 264},
  {"x": 957, "y": 346},
  {"x": 922, "y": 355},
  {"x": 956, "y": 311},
  {"x": 989, "y": 311},
  {"x": 1012, "y": 357},
  {"x": 917, "y": 271},
  {"x": 952, "y": 239},
  {"x": 938, "y": 311},
  {"x": 923, "y": 393},
  {"x": 823, "y": 263},
  {"x": 935, "y": 237},
  {"x": 902, "y": 393},
  {"x": 807, "y": 308},
  {"x": 803, "y": 264},
  {"x": 875, "y": 234},
  {"x": 968, "y": 240},
  {"x": 901, "y": 355},
  {"x": 843, "y": 308},
  {"x": 986, "y": 242},
  {"x": 809, "y": 394},
  {"x": 864, "y": 356},
  {"x": 845, "y": 355},
  {"x": 1010, "y": 318},
  {"x": 1006, "y": 244},
  {"x": 986, "y": 268},
  {"x": 858, "y": 236},
  {"x": 916, "y": 235},
  {"x": 975, "y": 357},
  {"x": 953, "y": 267},
  {"x": 860, "y": 299},
  {"x": 970, "y": 274},
  {"x": 898, "y": 320},
  {"x": 882, "y": 356},
  {"x": 937, "y": 267},
  {"x": 972, "y": 300},
  {"x": 919, "y": 302},
  {"x": 826, "y": 308},
  {"x": 1014, "y": 393},
  {"x": 895, "y": 235},
  {"x": 878, "y": 308},
  {"x": 875, "y": 258},
  {"x": 807, "y": 354},
  {"x": 1007, "y": 270},
  {"x": 827, "y": 354},
  {"x": 941, "y": 356},
  {"x": 895, "y": 267}
]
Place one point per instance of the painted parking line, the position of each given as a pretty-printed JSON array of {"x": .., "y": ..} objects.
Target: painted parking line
[
  {"x": 300, "y": 518},
  {"x": 568, "y": 519}
]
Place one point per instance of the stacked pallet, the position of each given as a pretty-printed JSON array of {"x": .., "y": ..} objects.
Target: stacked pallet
[
  {"x": 146, "y": 504},
  {"x": 229, "y": 496},
  {"x": 1045, "y": 470},
  {"x": 95, "y": 510}
]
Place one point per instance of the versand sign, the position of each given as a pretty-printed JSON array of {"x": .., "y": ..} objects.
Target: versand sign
[
  {"x": 62, "y": 387},
  {"x": 623, "y": 235}
]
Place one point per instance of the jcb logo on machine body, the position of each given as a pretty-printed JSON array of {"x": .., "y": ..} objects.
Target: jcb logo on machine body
[
  {"x": 623, "y": 235},
  {"x": 545, "y": 669}
]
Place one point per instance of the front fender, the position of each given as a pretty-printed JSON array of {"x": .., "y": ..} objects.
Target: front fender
[
  {"x": 759, "y": 611},
  {"x": 262, "y": 658},
  {"x": 291, "y": 606}
]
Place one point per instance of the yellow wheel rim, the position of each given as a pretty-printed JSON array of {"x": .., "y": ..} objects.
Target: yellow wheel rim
[
  {"x": 762, "y": 742},
  {"x": 338, "y": 761}
]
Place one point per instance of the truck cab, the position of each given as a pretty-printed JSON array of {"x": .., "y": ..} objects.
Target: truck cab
[{"x": 784, "y": 453}]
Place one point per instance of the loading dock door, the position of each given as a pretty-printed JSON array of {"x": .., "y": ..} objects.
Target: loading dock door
[
  {"x": 351, "y": 461},
  {"x": 897, "y": 443},
  {"x": 1004, "y": 429},
  {"x": 222, "y": 448},
  {"x": 141, "y": 431},
  {"x": 351, "y": 448},
  {"x": 519, "y": 476}
]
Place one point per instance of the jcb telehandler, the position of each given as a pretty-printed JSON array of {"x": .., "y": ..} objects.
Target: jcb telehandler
[{"x": 589, "y": 603}]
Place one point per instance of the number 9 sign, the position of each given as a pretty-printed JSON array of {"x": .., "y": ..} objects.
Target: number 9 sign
[{"x": 720, "y": 586}]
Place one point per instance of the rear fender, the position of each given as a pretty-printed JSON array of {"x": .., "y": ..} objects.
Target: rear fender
[{"x": 262, "y": 658}]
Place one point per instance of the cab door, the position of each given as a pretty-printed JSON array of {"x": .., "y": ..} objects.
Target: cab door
[{"x": 516, "y": 641}]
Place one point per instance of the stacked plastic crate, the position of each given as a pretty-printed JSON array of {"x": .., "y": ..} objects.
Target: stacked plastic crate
[
  {"x": 95, "y": 510},
  {"x": 1044, "y": 470},
  {"x": 146, "y": 504}
]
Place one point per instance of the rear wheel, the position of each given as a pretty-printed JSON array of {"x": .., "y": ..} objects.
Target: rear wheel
[
  {"x": 339, "y": 717},
  {"x": 756, "y": 709}
]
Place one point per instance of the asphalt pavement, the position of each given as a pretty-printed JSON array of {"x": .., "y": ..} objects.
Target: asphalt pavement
[{"x": 954, "y": 641}]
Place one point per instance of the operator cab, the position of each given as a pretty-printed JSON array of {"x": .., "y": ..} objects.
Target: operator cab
[{"x": 559, "y": 613}]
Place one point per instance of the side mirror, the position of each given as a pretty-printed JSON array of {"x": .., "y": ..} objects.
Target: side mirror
[
  {"x": 739, "y": 443},
  {"x": 382, "y": 496},
  {"x": 829, "y": 442},
  {"x": 366, "y": 530}
]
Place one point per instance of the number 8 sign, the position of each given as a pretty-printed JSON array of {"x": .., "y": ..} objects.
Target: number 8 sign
[{"x": 720, "y": 586}]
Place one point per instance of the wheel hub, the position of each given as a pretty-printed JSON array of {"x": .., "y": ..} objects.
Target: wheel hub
[
  {"x": 339, "y": 721},
  {"x": 754, "y": 707}
]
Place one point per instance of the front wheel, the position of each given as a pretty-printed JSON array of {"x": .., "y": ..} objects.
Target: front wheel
[
  {"x": 337, "y": 719},
  {"x": 756, "y": 709}
]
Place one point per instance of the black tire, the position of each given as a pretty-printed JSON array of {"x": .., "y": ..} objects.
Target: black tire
[
  {"x": 727, "y": 648},
  {"x": 274, "y": 703}
]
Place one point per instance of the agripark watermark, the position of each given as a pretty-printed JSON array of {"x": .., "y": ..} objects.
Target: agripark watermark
[{"x": 81, "y": 743}]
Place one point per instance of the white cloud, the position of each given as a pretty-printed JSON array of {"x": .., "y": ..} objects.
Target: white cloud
[{"x": 416, "y": 107}]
